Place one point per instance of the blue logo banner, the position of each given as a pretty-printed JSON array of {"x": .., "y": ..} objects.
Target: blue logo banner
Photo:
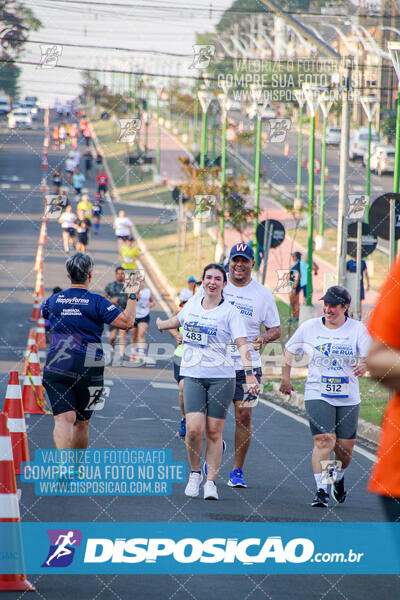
[{"x": 214, "y": 548}]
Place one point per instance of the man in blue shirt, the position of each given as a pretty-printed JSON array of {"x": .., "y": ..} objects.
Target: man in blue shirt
[{"x": 74, "y": 369}]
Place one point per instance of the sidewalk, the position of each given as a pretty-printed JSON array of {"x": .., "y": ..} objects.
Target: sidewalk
[{"x": 279, "y": 258}]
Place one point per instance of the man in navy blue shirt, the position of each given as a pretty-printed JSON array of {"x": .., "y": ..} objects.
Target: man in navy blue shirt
[{"x": 73, "y": 373}]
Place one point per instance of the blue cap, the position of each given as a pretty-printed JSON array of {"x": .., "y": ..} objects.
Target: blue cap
[
  {"x": 242, "y": 249},
  {"x": 192, "y": 278}
]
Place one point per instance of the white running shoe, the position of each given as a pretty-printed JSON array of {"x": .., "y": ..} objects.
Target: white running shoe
[
  {"x": 193, "y": 485},
  {"x": 210, "y": 490}
]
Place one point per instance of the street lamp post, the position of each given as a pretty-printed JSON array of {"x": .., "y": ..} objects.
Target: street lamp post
[
  {"x": 312, "y": 95},
  {"x": 299, "y": 95},
  {"x": 325, "y": 102},
  {"x": 370, "y": 105},
  {"x": 394, "y": 51},
  {"x": 205, "y": 97},
  {"x": 259, "y": 107},
  {"x": 225, "y": 104}
]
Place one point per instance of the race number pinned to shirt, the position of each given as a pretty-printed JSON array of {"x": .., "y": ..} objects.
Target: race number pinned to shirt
[
  {"x": 334, "y": 387},
  {"x": 233, "y": 351},
  {"x": 195, "y": 335}
]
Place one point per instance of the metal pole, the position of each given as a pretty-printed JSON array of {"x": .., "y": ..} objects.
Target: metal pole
[
  {"x": 267, "y": 247},
  {"x": 255, "y": 144},
  {"x": 223, "y": 179},
  {"x": 343, "y": 179},
  {"x": 358, "y": 270},
  {"x": 368, "y": 171},
  {"x": 196, "y": 111},
  {"x": 134, "y": 96},
  {"x": 311, "y": 152},
  {"x": 322, "y": 197},
  {"x": 203, "y": 140},
  {"x": 299, "y": 151},
  {"x": 179, "y": 228},
  {"x": 146, "y": 139},
  {"x": 392, "y": 225},
  {"x": 158, "y": 156},
  {"x": 213, "y": 134},
  {"x": 257, "y": 183},
  {"x": 396, "y": 179}
]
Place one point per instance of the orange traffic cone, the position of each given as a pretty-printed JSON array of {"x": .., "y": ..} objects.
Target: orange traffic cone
[
  {"x": 31, "y": 341},
  {"x": 39, "y": 256},
  {"x": 9, "y": 512},
  {"x": 36, "y": 308},
  {"x": 43, "y": 233},
  {"x": 40, "y": 336},
  {"x": 43, "y": 184},
  {"x": 39, "y": 287},
  {"x": 16, "y": 421},
  {"x": 32, "y": 392}
]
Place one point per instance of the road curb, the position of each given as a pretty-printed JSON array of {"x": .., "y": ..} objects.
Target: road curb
[{"x": 366, "y": 430}]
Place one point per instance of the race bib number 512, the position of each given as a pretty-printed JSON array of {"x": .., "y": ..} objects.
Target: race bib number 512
[{"x": 334, "y": 387}]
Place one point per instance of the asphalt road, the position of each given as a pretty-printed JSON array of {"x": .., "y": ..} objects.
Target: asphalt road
[{"x": 142, "y": 412}]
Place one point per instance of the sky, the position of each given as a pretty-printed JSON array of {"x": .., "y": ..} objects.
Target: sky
[{"x": 137, "y": 25}]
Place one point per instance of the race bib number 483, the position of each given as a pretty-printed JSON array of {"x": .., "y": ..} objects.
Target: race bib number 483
[
  {"x": 334, "y": 387},
  {"x": 195, "y": 335}
]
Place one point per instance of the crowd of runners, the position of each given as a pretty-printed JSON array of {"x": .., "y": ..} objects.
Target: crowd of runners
[{"x": 223, "y": 322}]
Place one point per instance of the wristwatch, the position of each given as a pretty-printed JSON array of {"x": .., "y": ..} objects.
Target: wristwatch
[
  {"x": 132, "y": 297},
  {"x": 249, "y": 372}
]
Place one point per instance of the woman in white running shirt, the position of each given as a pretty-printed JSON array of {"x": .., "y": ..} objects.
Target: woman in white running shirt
[
  {"x": 210, "y": 325},
  {"x": 67, "y": 221},
  {"x": 123, "y": 228},
  {"x": 144, "y": 303},
  {"x": 336, "y": 347}
]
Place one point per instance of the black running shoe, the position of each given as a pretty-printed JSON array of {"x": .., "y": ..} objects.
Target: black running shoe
[
  {"x": 338, "y": 492},
  {"x": 321, "y": 498}
]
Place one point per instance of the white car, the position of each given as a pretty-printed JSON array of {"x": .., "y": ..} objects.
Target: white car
[
  {"x": 359, "y": 142},
  {"x": 33, "y": 100},
  {"x": 382, "y": 160},
  {"x": 31, "y": 106},
  {"x": 333, "y": 135},
  {"x": 20, "y": 117},
  {"x": 375, "y": 147}
]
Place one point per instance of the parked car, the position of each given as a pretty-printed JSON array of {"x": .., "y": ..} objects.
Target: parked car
[
  {"x": 375, "y": 146},
  {"x": 359, "y": 142},
  {"x": 4, "y": 107},
  {"x": 20, "y": 117},
  {"x": 32, "y": 99},
  {"x": 32, "y": 107},
  {"x": 333, "y": 135},
  {"x": 382, "y": 160}
]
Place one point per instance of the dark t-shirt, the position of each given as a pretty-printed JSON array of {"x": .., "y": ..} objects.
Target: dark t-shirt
[
  {"x": 115, "y": 289},
  {"x": 77, "y": 319}
]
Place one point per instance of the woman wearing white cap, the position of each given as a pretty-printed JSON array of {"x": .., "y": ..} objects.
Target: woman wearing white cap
[{"x": 336, "y": 347}]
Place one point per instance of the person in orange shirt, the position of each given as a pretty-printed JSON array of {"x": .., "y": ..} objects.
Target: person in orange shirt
[{"x": 383, "y": 362}]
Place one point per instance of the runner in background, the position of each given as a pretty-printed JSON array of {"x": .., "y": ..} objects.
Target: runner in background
[
  {"x": 97, "y": 211},
  {"x": 67, "y": 221},
  {"x": 128, "y": 254},
  {"x": 383, "y": 362},
  {"x": 102, "y": 183},
  {"x": 114, "y": 292},
  {"x": 86, "y": 206},
  {"x": 336, "y": 347},
  {"x": 82, "y": 227},
  {"x": 123, "y": 228},
  {"x": 88, "y": 161},
  {"x": 188, "y": 292},
  {"x": 57, "y": 178},
  {"x": 145, "y": 303},
  {"x": 55, "y": 137},
  {"x": 69, "y": 167},
  {"x": 73, "y": 135},
  {"x": 177, "y": 359},
  {"x": 99, "y": 163},
  {"x": 62, "y": 132}
]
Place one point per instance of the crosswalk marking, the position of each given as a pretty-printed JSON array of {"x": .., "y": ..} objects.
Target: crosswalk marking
[{"x": 165, "y": 385}]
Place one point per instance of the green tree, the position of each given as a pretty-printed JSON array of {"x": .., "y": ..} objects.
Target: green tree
[
  {"x": 388, "y": 127},
  {"x": 16, "y": 21}
]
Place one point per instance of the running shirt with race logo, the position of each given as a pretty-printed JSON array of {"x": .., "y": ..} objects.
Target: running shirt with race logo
[
  {"x": 77, "y": 319},
  {"x": 206, "y": 337},
  {"x": 332, "y": 353},
  {"x": 68, "y": 220},
  {"x": 122, "y": 226},
  {"x": 256, "y": 304},
  {"x": 142, "y": 305}
]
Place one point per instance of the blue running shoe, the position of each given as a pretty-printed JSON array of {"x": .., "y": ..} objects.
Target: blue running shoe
[
  {"x": 182, "y": 428},
  {"x": 223, "y": 452},
  {"x": 236, "y": 479}
]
